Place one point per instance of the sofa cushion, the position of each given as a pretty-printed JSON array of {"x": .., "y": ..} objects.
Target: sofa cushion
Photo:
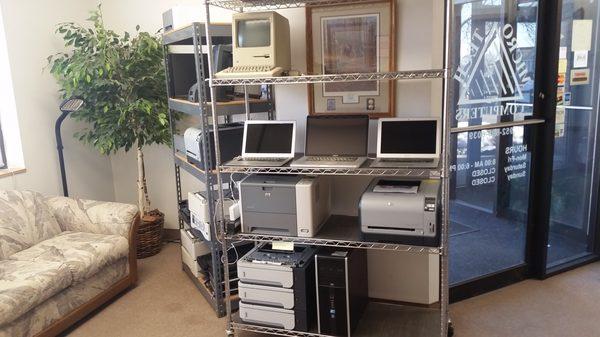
[
  {"x": 83, "y": 253},
  {"x": 58, "y": 306},
  {"x": 25, "y": 284},
  {"x": 91, "y": 216},
  {"x": 25, "y": 220}
]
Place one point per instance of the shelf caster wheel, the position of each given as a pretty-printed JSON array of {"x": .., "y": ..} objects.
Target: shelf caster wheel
[
  {"x": 229, "y": 333},
  {"x": 450, "y": 329}
]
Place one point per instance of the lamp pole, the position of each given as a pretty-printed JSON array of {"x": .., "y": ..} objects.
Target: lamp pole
[{"x": 66, "y": 107}]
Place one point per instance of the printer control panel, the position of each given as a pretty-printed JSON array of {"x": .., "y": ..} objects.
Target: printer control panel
[{"x": 430, "y": 204}]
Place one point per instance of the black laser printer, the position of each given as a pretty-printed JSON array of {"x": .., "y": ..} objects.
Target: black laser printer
[{"x": 277, "y": 287}]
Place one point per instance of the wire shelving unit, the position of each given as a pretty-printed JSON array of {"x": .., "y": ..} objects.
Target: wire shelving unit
[
  {"x": 213, "y": 288},
  {"x": 339, "y": 231}
]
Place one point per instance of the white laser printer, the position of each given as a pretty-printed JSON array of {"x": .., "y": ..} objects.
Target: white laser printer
[
  {"x": 199, "y": 214},
  {"x": 401, "y": 211},
  {"x": 284, "y": 205},
  {"x": 230, "y": 142}
]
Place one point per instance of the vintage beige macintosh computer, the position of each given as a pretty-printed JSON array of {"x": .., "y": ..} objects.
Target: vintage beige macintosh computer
[{"x": 261, "y": 46}]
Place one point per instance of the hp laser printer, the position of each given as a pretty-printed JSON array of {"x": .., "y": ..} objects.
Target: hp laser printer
[
  {"x": 284, "y": 205},
  {"x": 277, "y": 287},
  {"x": 406, "y": 212}
]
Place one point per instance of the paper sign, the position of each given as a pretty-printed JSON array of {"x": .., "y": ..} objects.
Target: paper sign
[
  {"x": 279, "y": 245},
  {"x": 567, "y": 98},
  {"x": 560, "y": 115},
  {"x": 561, "y": 79},
  {"x": 582, "y": 35},
  {"x": 562, "y": 66},
  {"x": 560, "y": 92},
  {"x": 562, "y": 54},
  {"x": 580, "y": 59},
  {"x": 580, "y": 76},
  {"x": 559, "y": 131}
]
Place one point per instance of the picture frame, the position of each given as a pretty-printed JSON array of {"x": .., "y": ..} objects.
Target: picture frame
[{"x": 352, "y": 38}]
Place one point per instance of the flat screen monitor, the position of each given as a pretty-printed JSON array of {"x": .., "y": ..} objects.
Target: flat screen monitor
[
  {"x": 408, "y": 138},
  {"x": 254, "y": 33},
  {"x": 269, "y": 139},
  {"x": 342, "y": 135}
]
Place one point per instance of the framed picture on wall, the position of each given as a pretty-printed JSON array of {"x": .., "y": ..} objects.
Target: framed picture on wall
[{"x": 353, "y": 38}]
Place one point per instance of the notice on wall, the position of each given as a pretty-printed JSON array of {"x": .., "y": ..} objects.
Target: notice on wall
[
  {"x": 562, "y": 66},
  {"x": 567, "y": 98},
  {"x": 582, "y": 35},
  {"x": 562, "y": 54},
  {"x": 560, "y": 115},
  {"x": 559, "y": 131},
  {"x": 560, "y": 92},
  {"x": 580, "y": 76},
  {"x": 580, "y": 59}
]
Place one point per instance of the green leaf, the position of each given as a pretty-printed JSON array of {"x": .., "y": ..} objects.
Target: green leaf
[{"x": 121, "y": 78}]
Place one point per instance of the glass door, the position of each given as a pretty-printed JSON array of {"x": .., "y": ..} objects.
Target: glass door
[
  {"x": 494, "y": 75},
  {"x": 574, "y": 199}
]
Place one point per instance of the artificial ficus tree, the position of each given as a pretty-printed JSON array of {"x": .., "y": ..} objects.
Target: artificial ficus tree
[{"x": 122, "y": 82}]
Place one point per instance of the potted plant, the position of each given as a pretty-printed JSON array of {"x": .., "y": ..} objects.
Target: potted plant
[{"x": 122, "y": 82}]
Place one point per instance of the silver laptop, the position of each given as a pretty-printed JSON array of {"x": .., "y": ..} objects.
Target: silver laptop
[
  {"x": 267, "y": 144},
  {"x": 408, "y": 142},
  {"x": 335, "y": 141}
]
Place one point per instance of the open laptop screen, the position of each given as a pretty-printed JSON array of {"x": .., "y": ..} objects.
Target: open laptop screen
[
  {"x": 409, "y": 137},
  {"x": 337, "y": 135},
  {"x": 269, "y": 138}
]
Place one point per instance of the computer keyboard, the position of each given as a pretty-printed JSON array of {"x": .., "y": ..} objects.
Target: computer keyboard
[
  {"x": 262, "y": 159},
  {"x": 332, "y": 158},
  {"x": 405, "y": 160},
  {"x": 249, "y": 72}
]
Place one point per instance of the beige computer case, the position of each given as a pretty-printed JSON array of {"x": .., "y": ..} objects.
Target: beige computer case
[{"x": 279, "y": 51}]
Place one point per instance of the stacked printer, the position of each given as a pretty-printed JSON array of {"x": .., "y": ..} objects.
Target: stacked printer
[
  {"x": 401, "y": 211},
  {"x": 277, "y": 287}
]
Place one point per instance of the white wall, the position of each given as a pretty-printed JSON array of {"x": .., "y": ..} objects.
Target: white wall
[
  {"x": 419, "y": 46},
  {"x": 29, "y": 28}
]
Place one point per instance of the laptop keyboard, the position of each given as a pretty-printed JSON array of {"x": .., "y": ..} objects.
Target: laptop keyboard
[
  {"x": 262, "y": 159},
  {"x": 405, "y": 160},
  {"x": 333, "y": 158}
]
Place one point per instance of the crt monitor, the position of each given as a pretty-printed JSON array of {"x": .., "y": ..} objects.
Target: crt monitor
[
  {"x": 408, "y": 138},
  {"x": 261, "y": 39},
  {"x": 342, "y": 135},
  {"x": 269, "y": 139}
]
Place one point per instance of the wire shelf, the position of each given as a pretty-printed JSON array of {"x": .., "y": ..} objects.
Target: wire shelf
[
  {"x": 363, "y": 171},
  {"x": 339, "y": 231},
  {"x": 379, "y": 319},
  {"x": 230, "y": 108},
  {"x": 253, "y": 5},
  {"x": 330, "y": 78},
  {"x": 238, "y": 326}
]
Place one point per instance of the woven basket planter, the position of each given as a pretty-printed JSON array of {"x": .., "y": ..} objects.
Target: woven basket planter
[{"x": 149, "y": 234}]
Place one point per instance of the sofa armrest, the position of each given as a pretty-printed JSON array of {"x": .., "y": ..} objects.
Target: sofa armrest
[{"x": 97, "y": 217}]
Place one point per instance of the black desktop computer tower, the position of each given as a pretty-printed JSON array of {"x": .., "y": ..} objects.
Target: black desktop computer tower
[{"x": 342, "y": 289}]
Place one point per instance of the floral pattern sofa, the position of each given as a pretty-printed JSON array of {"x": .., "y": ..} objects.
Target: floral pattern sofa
[{"x": 61, "y": 258}]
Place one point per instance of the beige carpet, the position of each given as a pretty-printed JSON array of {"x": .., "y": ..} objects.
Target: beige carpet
[{"x": 166, "y": 303}]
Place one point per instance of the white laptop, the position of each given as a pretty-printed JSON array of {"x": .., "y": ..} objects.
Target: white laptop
[
  {"x": 335, "y": 141},
  {"x": 408, "y": 142},
  {"x": 267, "y": 144}
]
